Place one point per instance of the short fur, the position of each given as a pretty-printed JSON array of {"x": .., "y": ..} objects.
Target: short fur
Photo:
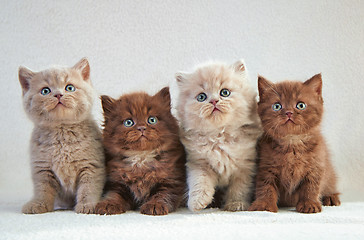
[
  {"x": 219, "y": 134},
  {"x": 145, "y": 163},
  {"x": 67, "y": 156},
  {"x": 294, "y": 168}
]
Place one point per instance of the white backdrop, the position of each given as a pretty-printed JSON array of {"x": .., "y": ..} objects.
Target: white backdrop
[{"x": 139, "y": 45}]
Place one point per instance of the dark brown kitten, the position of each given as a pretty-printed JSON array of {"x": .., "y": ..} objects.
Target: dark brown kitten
[
  {"x": 145, "y": 159},
  {"x": 294, "y": 166}
]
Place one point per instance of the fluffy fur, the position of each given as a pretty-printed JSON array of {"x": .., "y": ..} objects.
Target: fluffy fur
[
  {"x": 67, "y": 156},
  {"x": 145, "y": 163},
  {"x": 294, "y": 168},
  {"x": 219, "y": 134}
]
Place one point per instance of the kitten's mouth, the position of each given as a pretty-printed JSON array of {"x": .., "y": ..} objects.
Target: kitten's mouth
[
  {"x": 289, "y": 121},
  {"x": 216, "y": 110}
]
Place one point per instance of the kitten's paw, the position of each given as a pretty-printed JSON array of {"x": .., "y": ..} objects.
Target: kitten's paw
[
  {"x": 331, "y": 200},
  {"x": 87, "y": 208},
  {"x": 235, "y": 206},
  {"x": 308, "y": 206},
  {"x": 109, "y": 208},
  {"x": 156, "y": 208},
  {"x": 36, "y": 207},
  {"x": 260, "y": 205},
  {"x": 196, "y": 204}
]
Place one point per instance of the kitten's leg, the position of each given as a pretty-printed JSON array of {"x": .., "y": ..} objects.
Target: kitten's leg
[
  {"x": 90, "y": 185},
  {"x": 309, "y": 194},
  {"x": 114, "y": 203},
  {"x": 201, "y": 184},
  {"x": 45, "y": 190},
  {"x": 331, "y": 200},
  {"x": 266, "y": 192},
  {"x": 166, "y": 199},
  {"x": 239, "y": 192}
]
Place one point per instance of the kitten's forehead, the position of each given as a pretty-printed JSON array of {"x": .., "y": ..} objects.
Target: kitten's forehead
[
  {"x": 56, "y": 77},
  {"x": 214, "y": 77},
  {"x": 138, "y": 105}
]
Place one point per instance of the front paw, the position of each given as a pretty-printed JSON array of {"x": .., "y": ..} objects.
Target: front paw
[
  {"x": 260, "y": 205},
  {"x": 235, "y": 206},
  {"x": 308, "y": 206},
  {"x": 87, "y": 208},
  {"x": 156, "y": 208},
  {"x": 109, "y": 208},
  {"x": 197, "y": 203},
  {"x": 36, "y": 207}
]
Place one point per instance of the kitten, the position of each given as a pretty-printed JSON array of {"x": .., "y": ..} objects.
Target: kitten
[
  {"x": 146, "y": 160},
  {"x": 219, "y": 129},
  {"x": 294, "y": 168},
  {"x": 67, "y": 156}
]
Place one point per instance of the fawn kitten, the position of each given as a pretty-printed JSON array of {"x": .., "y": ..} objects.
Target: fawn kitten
[
  {"x": 294, "y": 167},
  {"x": 67, "y": 157},
  {"x": 219, "y": 129},
  {"x": 145, "y": 158}
]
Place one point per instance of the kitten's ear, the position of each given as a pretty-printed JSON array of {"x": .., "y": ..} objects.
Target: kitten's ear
[
  {"x": 263, "y": 85},
  {"x": 25, "y": 75},
  {"x": 315, "y": 83},
  {"x": 239, "y": 66},
  {"x": 84, "y": 67},
  {"x": 164, "y": 96},
  {"x": 106, "y": 104},
  {"x": 181, "y": 78}
]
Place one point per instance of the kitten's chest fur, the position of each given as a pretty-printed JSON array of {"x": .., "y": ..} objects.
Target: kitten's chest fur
[
  {"x": 293, "y": 160},
  {"x": 224, "y": 152},
  {"x": 140, "y": 171},
  {"x": 65, "y": 151}
]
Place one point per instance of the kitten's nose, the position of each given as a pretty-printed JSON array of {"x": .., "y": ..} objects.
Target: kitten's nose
[
  {"x": 58, "y": 96},
  {"x": 141, "y": 128},
  {"x": 289, "y": 114},
  {"x": 213, "y": 102}
]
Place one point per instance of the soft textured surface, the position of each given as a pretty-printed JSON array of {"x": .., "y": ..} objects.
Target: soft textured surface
[{"x": 344, "y": 222}]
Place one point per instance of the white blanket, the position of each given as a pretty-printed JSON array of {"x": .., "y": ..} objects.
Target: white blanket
[{"x": 343, "y": 222}]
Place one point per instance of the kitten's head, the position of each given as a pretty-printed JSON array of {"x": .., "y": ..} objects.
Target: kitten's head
[
  {"x": 57, "y": 95},
  {"x": 138, "y": 122},
  {"x": 290, "y": 107},
  {"x": 215, "y": 95}
]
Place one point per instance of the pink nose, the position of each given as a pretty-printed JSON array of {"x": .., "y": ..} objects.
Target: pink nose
[
  {"x": 213, "y": 102},
  {"x": 141, "y": 128},
  {"x": 58, "y": 96},
  {"x": 289, "y": 114}
]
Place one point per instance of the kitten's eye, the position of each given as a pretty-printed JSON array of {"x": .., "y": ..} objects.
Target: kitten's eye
[
  {"x": 70, "y": 88},
  {"x": 152, "y": 120},
  {"x": 45, "y": 91},
  {"x": 301, "y": 106},
  {"x": 277, "y": 106},
  {"x": 201, "y": 97},
  {"x": 128, "y": 123},
  {"x": 225, "y": 92}
]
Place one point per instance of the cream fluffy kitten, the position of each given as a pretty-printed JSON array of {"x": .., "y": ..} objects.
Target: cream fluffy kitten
[
  {"x": 67, "y": 156},
  {"x": 217, "y": 109}
]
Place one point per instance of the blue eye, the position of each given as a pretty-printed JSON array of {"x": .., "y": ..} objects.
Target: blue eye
[
  {"x": 201, "y": 97},
  {"x": 225, "y": 92},
  {"x": 70, "y": 88},
  {"x": 301, "y": 106},
  {"x": 128, "y": 123},
  {"x": 45, "y": 91},
  {"x": 277, "y": 107},
  {"x": 152, "y": 120}
]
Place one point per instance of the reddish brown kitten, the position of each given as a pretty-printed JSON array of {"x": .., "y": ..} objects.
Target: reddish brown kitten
[
  {"x": 294, "y": 166},
  {"x": 145, "y": 159}
]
